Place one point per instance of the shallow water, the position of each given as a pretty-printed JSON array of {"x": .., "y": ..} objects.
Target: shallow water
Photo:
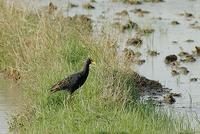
[
  {"x": 161, "y": 40},
  {"x": 8, "y": 103}
]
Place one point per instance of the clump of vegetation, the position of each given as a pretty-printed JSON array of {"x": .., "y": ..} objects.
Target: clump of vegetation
[
  {"x": 187, "y": 14},
  {"x": 154, "y": 1},
  {"x": 44, "y": 50},
  {"x": 170, "y": 58},
  {"x": 153, "y": 52},
  {"x": 88, "y": 6},
  {"x": 174, "y": 22},
  {"x": 197, "y": 50},
  {"x": 128, "y": 26},
  {"x": 140, "y": 12},
  {"x": 145, "y": 31},
  {"x": 128, "y": 53},
  {"x": 176, "y": 94},
  {"x": 174, "y": 72},
  {"x": 122, "y": 13},
  {"x": 169, "y": 99},
  {"x": 138, "y": 2},
  {"x": 138, "y": 54},
  {"x": 133, "y": 2},
  {"x": 177, "y": 69},
  {"x": 195, "y": 25},
  {"x": 140, "y": 61},
  {"x": 188, "y": 58},
  {"x": 193, "y": 79},
  {"x": 52, "y": 7},
  {"x": 135, "y": 41},
  {"x": 71, "y": 5},
  {"x": 183, "y": 70},
  {"x": 189, "y": 41},
  {"x": 183, "y": 54},
  {"x": 174, "y": 42}
]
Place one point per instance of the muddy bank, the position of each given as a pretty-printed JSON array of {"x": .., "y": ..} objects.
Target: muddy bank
[
  {"x": 154, "y": 90},
  {"x": 143, "y": 86},
  {"x": 149, "y": 87}
]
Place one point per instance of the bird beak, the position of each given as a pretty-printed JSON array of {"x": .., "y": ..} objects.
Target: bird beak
[{"x": 93, "y": 62}]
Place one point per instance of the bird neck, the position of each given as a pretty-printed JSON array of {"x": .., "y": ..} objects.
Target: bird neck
[{"x": 86, "y": 68}]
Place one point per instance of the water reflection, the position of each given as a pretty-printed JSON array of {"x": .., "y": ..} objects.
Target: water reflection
[{"x": 8, "y": 103}]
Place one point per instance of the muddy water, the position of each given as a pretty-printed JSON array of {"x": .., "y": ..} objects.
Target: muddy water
[
  {"x": 161, "y": 40},
  {"x": 8, "y": 103}
]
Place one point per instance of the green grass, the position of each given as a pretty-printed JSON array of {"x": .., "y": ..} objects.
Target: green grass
[{"x": 44, "y": 49}]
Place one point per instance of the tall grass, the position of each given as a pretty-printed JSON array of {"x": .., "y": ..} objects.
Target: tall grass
[{"x": 44, "y": 49}]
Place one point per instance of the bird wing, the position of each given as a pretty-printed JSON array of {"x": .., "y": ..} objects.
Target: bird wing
[
  {"x": 60, "y": 85},
  {"x": 66, "y": 83}
]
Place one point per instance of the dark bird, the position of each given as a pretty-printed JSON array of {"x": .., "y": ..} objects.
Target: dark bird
[{"x": 74, "y": 81}]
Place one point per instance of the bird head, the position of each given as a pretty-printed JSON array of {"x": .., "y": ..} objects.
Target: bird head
[{"x": 90, "y": 61}]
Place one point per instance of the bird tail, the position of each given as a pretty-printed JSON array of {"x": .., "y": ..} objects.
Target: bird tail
[{"x": 55, "y": 88}]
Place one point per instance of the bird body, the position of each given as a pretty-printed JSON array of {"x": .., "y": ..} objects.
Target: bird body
[{"x": 74, "y": 81}]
